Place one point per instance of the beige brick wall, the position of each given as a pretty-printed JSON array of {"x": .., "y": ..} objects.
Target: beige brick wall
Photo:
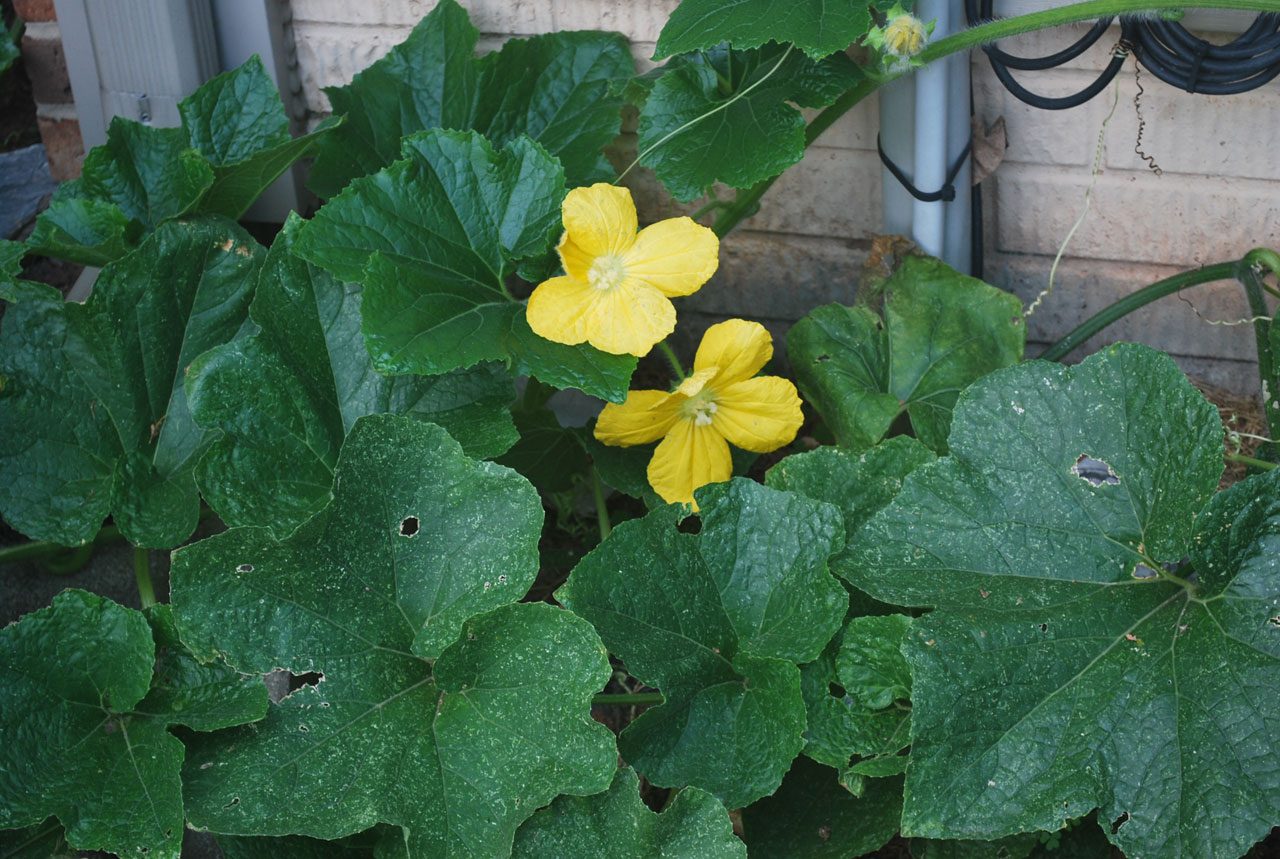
[{"x": 1218, "y": 196}]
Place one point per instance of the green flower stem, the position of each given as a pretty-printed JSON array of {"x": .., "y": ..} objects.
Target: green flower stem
[
  {"x": 674, "y": 359},
  {"x": 1131, "y": 302},
  {"x": 602, "y": 512},
  {"x": 142, "y": 572},
  {"x": 748, "y": 202},
  {"x": 636, "y": 699},
  {"x": 1249, "y": 460}
]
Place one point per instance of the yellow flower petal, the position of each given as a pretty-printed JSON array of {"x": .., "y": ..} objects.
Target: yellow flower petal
[
  {"x": 628, "y": 320},
  {"x": 560, "y": 310},
  {"x": 693, "y": 385},
  {"x": 759, "y": 415},
  {"x": 600, "y": 220},
  {"x": 646, "y": 416},
  {"x": 576, "y": 261},
  {"x": 738, "y": 347},
  {"x": 690, "y": 456},
  {"x": 675, "y": 256}
]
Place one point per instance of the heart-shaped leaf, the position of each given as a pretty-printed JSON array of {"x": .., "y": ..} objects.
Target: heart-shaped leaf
[
  {"x": 717, "y": 622},
  {"x": 818, "y": 27},
  {"x": 555, "y": 88},
  {"x": 400, "y": 594},
  {"x": 1072, "y": 661},
  {"x": 96, "y": 414},
  {"x": 81, "y": 740},
  {"x": 941, "y": 331},
  {"x": 285, "y": 398},
  {"x": 727, "y": 116}
]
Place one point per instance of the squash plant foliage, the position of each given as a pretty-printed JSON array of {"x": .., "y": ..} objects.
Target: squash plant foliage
[{"x": 1030, "y": 621}]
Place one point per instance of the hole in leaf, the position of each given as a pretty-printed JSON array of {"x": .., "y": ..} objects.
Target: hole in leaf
[
  {"x": 1095, "y": 471},
  {"x": 821, "y": 358},
  {"x": 235, "y": 800},
  {"x": 1118, "y": 822},
  {"x": 245, "y": 568},
  {"x": 837, "y": 690},
  {"x": 1044, "y": 627},
  {"x": 1142, "y": 571},
  {"x": 409, "y": 526},
  {"x": 303, "y": 728},
  {"x": 309, "y": 678},
  {"x": 1274, "y": 621}
]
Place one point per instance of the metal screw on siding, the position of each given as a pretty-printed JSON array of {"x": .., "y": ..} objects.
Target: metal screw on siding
[{"x": 144, "y": 108}]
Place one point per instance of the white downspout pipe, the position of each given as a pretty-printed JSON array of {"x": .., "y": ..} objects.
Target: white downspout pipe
[{"x": 924, "y": 126}]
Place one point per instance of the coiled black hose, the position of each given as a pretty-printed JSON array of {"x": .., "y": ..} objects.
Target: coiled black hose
[{"x": 1165, "y": 48}]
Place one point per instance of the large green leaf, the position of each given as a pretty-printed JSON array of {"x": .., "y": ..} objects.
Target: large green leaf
[
  {"x": 1067, "y": 665},
  {"x": 726, "y": 116},
  {"x": 443, "y": 708},
  {"x": 717, "y": 622},
  {"x": 84, "y": 230},
  {"x": 555, "y": 88},
  {"x": 80, "y": 740},
  {"x": 285, "y": 398},
  {"x": 812, "y": 817},
  {"x": 617, "y": 823},
  {"x": 141, "y": 177},
  {"x": 941, "y": 331},
  {"x": 95, "y": 412},
  {"x": 433, "y": 239},
  {"x": 237, "y": 121},
  {"x": 818, "y": 27},
  {"x": 232, "y": 144}
]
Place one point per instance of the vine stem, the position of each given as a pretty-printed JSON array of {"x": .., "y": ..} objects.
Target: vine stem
[
  {"x": 37, "y": 549},
  {"x": 633, "y": 699},
  {"x": 142, "y": 572},
  {"x": 1249, "y": 460},
  {"x": 602, "y": 511},
  {"x": 1131, "y": 302},
  {"x": 748, "y": 202}
]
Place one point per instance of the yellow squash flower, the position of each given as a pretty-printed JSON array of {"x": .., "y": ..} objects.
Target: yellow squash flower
[
  {"x": 719, "y": 403},
  {"x": 617, "y": 283}
]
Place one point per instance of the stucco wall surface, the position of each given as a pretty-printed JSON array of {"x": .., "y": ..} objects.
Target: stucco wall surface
[{"x": 1218, "y": 194}]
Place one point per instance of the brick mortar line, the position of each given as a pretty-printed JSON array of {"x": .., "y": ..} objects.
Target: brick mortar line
[{"x": 42, "y": 30}]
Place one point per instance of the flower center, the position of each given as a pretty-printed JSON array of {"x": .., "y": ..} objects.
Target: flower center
[
  {"x": 606, "y": 272},
  {"x": 700, "y": 408},
  {"x": 904, "y": 36}
]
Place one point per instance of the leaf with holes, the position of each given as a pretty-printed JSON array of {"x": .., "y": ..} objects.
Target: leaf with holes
[
  {"x": 555, "y": 88},
  {"x": 1073, "y": 660},
  {"x": 95, "y": 413},
  {"x": 433, "y": 238},
  {"x": 285, "y": 398},
  {"x": 718, "y": 622},
  {"x": 941, "y": 331},
  {"x": 82, "y": 743},
  {"x": 726, "y": 116},
  {"x": 617, "y": 823},
  {"x": 818, "y": 27},
  {"x": 444, "y": 708}
]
